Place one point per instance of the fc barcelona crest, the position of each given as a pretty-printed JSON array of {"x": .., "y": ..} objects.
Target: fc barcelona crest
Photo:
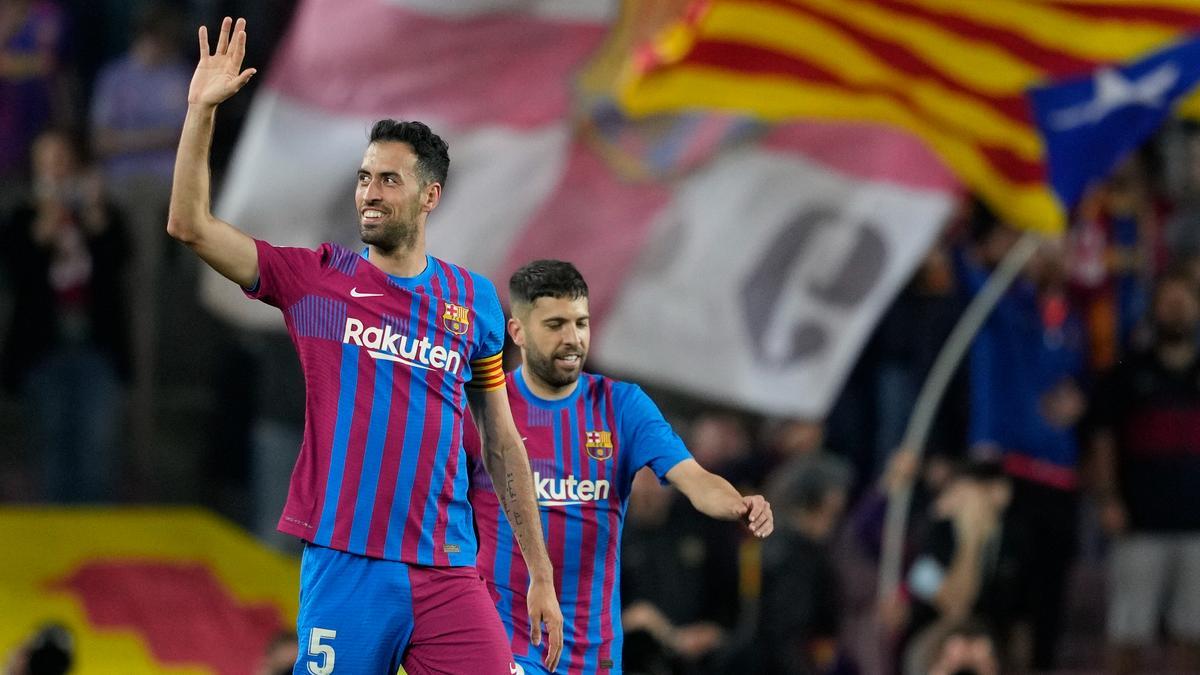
[
  {"x": 599, "y": 445},
  {"x": 455, "y": 318}
]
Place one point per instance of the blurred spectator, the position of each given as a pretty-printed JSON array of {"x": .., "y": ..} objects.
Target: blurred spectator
[
  {"x": 719, "y": 442},
  {"x": 929, "y": 476},
  {"x": 1026, "y": 366},
  {"x": 967, "y": 649},
  {"x": 800, "y": 605},
  {"x": 1182, "y": 229},
  {"x": 1147, "y": 450},
  {"x": 280, "y": 656},
  {"x": 784, "y": 439},
  {"x": 66, "y": 349},
  {"x": 975, "y": 561},
  {"x": 137, "y": 113},
  {"x": 1115, "y": 250},
  {"x": 51, "y": 651},
  {"x": 906, "y": 343},
  {"x": 677, "y": 588},
  {"x": 30, "y": 35}
]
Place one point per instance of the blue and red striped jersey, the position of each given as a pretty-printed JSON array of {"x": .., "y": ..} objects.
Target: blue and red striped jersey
[
  {"x": 385, "y": 360},
  {"x": 584, "y": 451}
]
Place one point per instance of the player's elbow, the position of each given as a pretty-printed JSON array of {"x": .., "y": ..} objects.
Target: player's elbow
[{"x": 182, "y": 229}]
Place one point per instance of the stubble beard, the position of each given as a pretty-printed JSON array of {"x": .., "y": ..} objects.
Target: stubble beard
[
  {"x": 392, "y": 235},
  {"x": 543, "y": 367}
]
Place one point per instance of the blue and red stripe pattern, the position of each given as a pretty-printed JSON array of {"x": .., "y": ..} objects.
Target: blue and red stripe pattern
[
  {"x": 386, "y": 360},
  {"x": 584, "y": 451}
]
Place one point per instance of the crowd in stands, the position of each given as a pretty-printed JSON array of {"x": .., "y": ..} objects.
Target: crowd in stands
[{"x": 1069, "y": 439}]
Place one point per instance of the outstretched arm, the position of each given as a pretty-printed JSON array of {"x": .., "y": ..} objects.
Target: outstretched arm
[
  {"x": 218, "y": 76},
  {"x": 715, "y": 497},
  {"x": 507, "y": 463}
]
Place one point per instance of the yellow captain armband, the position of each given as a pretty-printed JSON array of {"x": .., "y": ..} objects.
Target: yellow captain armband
[{"x": 487, "y": 374}]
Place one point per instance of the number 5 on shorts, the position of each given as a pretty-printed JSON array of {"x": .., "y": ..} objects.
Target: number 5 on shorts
[{"x": 315, "y": 648}]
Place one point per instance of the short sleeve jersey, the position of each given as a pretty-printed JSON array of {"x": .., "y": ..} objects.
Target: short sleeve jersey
[
  {"x": 381, "y": 470},
  {"x": 584, "y": 450}
]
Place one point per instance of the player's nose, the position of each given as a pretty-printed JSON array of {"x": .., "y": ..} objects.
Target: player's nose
[{"x": 372, "y": 192}]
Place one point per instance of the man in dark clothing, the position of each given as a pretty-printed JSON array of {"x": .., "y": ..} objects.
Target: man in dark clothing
[
  {"x": 66, "y": 349},
  {"x": 799, "y": 607},
  {"x": 975, "y": 562},
  {"x": 1147, "y": 450}
]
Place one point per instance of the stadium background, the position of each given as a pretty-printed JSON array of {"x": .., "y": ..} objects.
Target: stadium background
[{"x": 668, "y": 148}]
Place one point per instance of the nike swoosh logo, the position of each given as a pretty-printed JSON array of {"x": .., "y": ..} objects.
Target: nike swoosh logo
[{"x": 355, "y": 294}]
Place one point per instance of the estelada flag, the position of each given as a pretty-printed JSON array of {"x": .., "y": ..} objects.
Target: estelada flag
[
  {"x": 1090, "y": 123},
  {"x": 954, "y": 73}
]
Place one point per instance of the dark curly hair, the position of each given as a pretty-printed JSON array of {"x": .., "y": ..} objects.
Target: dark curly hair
[{"x": 433, "y": 155}]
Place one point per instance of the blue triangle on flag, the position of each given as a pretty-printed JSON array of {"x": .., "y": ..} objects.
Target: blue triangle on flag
[{"x": 1091, "y": 123}]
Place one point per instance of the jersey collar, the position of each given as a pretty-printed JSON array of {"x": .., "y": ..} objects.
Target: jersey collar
[{"x": 534, "y": 399}]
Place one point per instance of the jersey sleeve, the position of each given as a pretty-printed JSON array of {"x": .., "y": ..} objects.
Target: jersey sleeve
[
  {"x": 487, "y": 361},
  {"x": 285, "y": 273},
  {"x": 646, "y": 435}
]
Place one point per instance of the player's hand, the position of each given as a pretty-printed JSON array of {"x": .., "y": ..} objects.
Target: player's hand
[
  {"x": 758, "y": 516},
  {"x": 544, "y": 610},
  {"x": 219, "y": 75}
]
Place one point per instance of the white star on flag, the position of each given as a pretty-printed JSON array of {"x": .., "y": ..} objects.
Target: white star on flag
[{"x": 1114, "y": 91}]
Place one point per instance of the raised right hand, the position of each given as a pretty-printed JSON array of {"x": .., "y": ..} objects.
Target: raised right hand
[{"x": 219, "y": 75}]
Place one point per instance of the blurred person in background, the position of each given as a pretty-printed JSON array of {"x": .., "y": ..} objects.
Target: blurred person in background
[
  {"x": 137, "y": 112},
  {"x": 31, "y": 33},
  {"x": 1147, "y": 475},
  {"x": 800, "y": 605},
  {"x": 966, "y": 649},
  {"x": 49, "y": 651},
  {"x": 66, "y": 349},
  {"x": 1115, "y": 249},
  {"x": 783, "y": 439},
  {"x": 903, "y": 348},
  {"x": 1026, "y": 371},
  {"x": 975, "y": 561},
  {"x": 719, "y": 442},
  {"x": 679, "y": 604}
]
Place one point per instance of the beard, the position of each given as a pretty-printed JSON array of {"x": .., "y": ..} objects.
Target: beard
[
  {"x": 543, "y": 366},
  {"x": 391, "y": 235}
]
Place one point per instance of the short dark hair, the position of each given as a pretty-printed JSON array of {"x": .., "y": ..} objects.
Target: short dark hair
[
  {"x": 805, "y": 482},
  {"x": 546, "y": 278},
  {"x": 433, "y": 155}
]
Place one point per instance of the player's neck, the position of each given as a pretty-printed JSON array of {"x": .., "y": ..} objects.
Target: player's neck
[
  {"x": 545, "y": 391},
  {"x": 400, "y": 262}
]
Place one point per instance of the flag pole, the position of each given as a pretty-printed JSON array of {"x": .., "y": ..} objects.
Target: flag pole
[{"x": 924, "y": 410}]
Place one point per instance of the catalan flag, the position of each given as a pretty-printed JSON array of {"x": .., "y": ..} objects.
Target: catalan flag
[{"x": 954, "y": 73}]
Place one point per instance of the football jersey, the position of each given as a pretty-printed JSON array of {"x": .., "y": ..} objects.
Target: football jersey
[
  {"x": 584, "y": 451},
  {"x": 385, "y": 359}
]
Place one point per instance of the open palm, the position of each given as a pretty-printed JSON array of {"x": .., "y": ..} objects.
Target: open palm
[{"x": 219, "y": 75}]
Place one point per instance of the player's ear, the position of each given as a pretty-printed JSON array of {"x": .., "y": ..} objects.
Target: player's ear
[
  {"x": 516, "y": 331},
  {"x": 431, "y": 195}
]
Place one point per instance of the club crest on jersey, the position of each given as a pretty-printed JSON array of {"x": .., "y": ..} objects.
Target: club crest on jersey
[
  {"x": 455, "y": 318},
  {"x": 599, "y": 444}
]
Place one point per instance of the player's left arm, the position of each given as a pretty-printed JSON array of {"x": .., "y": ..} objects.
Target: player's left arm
[
  {"x": 715, "y": 497},
  {"x": 507, "y": 463}
]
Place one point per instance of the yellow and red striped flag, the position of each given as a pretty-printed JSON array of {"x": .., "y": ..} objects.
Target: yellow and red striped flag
[{"x": 952, "y": 72}]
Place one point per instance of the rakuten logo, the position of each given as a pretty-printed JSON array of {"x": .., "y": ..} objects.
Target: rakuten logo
[
  {"x": 390, "y": 346},
  {"x": 569, "y": 490}
]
